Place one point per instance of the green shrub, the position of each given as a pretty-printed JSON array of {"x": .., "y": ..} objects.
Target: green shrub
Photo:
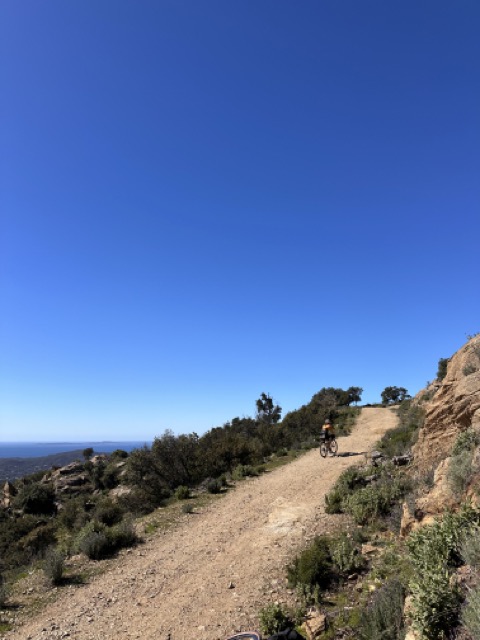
[
  {"x": 346, "y": 555},
  {"x": 36, "y": 499},
  {"x": 470, "y": 615},
  {"x": 308, "y": 596},
  {"x": 54, "y": 565},
  {"x": 141, "y": 501},
  {"x": 442, "y": 368},
  {"x": 96, "y": 472},
  {"x": 243, "y": 470},
  {"x": 334, "y": 501},
  {"x": 108, "y": 512},
  {"x": 92, "y": 541},
  {"x": 460, "y": 469},
  {"x": 398, "y": 441},
  {"x": 182, "y": 492},
  {"x": 383, "y": 618},
  {"x": 187, "y": 508},
  {"x": 367, "y": 504},
  {"x": 441, "y": 541},
  {"x": 392, "y": 563},
  {"x": 122, "y": 535},
  {"x": 435, "y": 603},
  {"x": 281, "y": 453},
  {"x": 313, "y": 566},
  {"x": 434, "y": 551},
  {"x": 111, "y": 475},
  {"x": 470, "y": 548},
  {"x": 35, "y": 542},
  {"x": 95, "y": 545},
  {"x": 346, "y": 484},
  {"x": 375, "y": 500},
  {"x": 118, "y": 454},
  {"x": 223, "y": 480},
  {"x": 21, "y": 538},
  {"x": 97, "y": 541},
  {"x": 364, "y": 503},
  {"x": 145, "y": 474},
  {"x": 466, "y": 441},
  {"x": 274, "y": 618},
  {"x": 73, "y": 515},
  {"x": 460, "y": 472},
  {"x": 214, "y": 486},
  {"x": 250, "y": 471}
]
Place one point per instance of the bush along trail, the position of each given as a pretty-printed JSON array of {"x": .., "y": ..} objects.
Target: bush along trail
[{"x": 221, "y": 567}]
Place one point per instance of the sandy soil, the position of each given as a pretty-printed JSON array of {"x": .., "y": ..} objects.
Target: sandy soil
[{"x": 208, "y": 578}]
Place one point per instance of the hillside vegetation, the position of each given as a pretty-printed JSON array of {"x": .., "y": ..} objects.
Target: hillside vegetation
[
  {"x": 89, "y": 506},
  {"x": 205, "y": 573}
]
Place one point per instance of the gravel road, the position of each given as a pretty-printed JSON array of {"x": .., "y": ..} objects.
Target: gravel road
[{"x": 209, "y": 576}]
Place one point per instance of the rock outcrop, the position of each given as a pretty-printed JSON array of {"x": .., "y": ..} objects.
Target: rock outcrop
[
  {"x": 315, "y": 625},
  {"x": 8, "y": 493},
  {"x": 72, "y": 479},
  {"x": 453, "y": 407}
]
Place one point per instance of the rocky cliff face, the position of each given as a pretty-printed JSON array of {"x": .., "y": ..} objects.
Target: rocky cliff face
[{"x": 454, "y": 406}]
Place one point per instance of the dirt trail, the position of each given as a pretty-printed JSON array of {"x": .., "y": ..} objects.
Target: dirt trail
[{"x": 211, "y": 575}]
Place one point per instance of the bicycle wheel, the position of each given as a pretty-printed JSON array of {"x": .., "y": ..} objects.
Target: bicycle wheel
[
  {"x": 323, "y": 450},
  {"x": 333, "y": 447}
]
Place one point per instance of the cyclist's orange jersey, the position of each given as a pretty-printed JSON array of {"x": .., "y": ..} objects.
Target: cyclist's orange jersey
[{"x": 328, "y": 431}]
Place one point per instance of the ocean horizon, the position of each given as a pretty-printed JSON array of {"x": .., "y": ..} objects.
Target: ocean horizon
[{"x": 40, "y": 449}]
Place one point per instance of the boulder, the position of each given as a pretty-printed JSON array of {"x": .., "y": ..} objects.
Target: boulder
[
  {"x": 440, "y": 497},
  {"x": 408, "y": 522},
  {"x": 315, "y": 625}
]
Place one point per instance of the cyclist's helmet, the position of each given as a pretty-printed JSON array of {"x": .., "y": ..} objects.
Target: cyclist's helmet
[{"x": 327, "y": 421}]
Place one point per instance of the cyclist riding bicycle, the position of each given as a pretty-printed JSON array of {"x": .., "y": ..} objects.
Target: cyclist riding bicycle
[
  {"x": 327, "y": 430},
  {"x": 328, "y": 444}
]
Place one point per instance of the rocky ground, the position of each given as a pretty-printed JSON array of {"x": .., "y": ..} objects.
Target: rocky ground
[{"x": 209, "y": 576}]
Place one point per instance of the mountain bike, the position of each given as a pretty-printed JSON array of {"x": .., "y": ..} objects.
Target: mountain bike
[{"x": 328, "y": 446}]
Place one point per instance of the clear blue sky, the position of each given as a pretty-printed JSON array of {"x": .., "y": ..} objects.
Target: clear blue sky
[{"x": 201, "y": 201}]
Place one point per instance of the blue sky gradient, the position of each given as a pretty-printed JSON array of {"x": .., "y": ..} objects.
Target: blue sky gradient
[{"x": 201, "y": 201}]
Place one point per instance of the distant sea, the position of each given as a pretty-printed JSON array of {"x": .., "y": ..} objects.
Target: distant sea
[{"x": 38, "y": 449}]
